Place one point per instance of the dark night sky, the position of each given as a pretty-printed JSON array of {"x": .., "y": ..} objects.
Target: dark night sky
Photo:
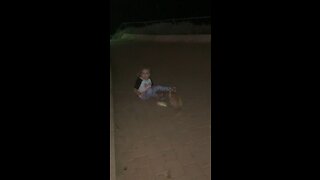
[{"x": 140, "y": 10}]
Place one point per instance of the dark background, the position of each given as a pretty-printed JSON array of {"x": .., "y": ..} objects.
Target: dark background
[
  {"x": 56, "y": 72},
  {"x": 143, "y": 10}
]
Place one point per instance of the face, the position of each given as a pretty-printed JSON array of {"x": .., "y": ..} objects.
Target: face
[{"x": 145, "y": 74}]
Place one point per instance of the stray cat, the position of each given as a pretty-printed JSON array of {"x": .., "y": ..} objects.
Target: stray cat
[{"x": 175, "y": 100}]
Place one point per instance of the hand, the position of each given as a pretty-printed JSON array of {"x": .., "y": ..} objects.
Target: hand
[{"x": 139, "y": 93}]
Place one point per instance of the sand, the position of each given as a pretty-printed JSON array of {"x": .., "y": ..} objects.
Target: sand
[{"x": 154, "y": 142}]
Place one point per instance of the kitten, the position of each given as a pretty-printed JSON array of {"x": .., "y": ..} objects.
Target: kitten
[{"x": 175, "y": 100}]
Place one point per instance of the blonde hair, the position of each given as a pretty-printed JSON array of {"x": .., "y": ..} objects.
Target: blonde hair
[{"x": 141, "y": 69}]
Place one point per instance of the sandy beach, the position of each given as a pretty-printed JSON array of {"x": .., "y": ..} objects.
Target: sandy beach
[{"x": 154, "y": 142}]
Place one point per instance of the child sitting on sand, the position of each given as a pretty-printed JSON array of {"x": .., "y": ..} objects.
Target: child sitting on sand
[{"x": 144, "y": 87}]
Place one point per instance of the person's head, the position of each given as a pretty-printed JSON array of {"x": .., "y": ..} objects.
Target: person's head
[{"x": 144, "y": 73}]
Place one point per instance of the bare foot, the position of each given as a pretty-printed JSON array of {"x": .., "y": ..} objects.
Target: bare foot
[
  {"x": 163, "y": 104},
  {"x": 173, "y": 89}
]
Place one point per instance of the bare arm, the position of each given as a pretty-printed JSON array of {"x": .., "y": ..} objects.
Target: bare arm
[{"x": 137, "y": 92}]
